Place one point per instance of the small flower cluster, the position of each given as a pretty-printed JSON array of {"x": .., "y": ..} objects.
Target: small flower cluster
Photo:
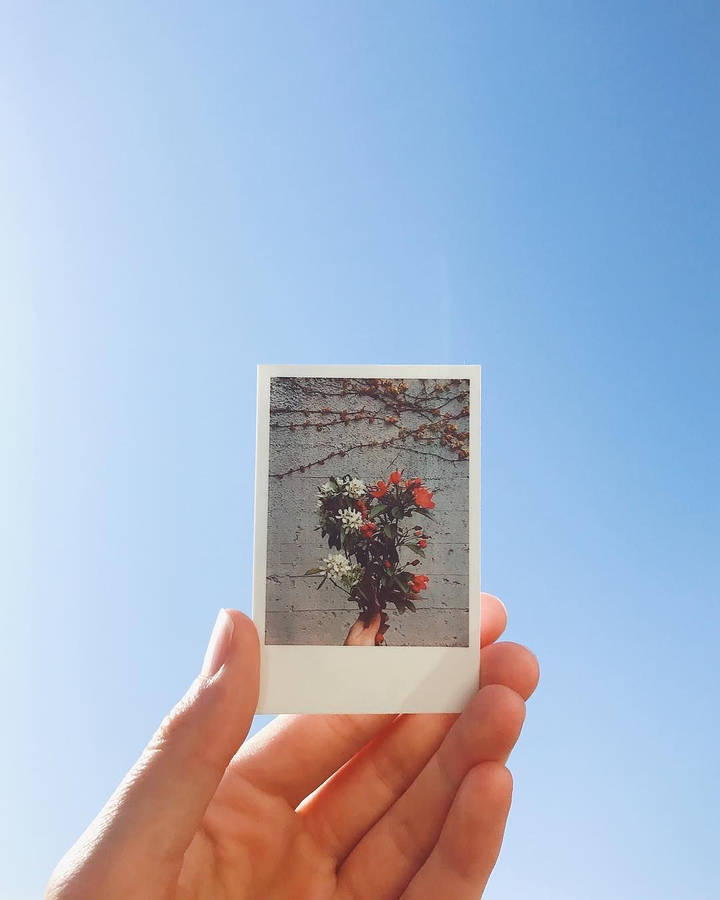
[
  {"x": 338, "y": 567},
  {"x": 355, "y": 488},
  {"x": 422, "y": 497},
  {"x": 350, "y": 519},
  {"x": 352, "y": 487},
  {"x": 418, "y": 583}
]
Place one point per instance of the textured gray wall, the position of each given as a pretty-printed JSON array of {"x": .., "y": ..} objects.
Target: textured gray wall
[{"x": 298, "y": 613}]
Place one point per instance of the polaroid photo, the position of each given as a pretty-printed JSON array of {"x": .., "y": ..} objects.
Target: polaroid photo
[{"x": 367, "y": 538}]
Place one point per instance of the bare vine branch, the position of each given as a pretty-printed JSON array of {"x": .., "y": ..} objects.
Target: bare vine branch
[{"x": 439, "y": 428}]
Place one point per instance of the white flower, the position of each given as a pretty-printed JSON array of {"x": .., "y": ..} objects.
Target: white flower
[
  {"x": 355, "y": 488},
  {"x": 339, "y": 568},
  {"x": 350, "y": 519},
  {"x": 328, "y": 488},
  {"x": 337, "y": 565}
]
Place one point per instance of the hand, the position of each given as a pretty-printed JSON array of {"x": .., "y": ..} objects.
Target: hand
[
  {"x": 362, "y": 635},
  {"x": 418, "y": 811}
]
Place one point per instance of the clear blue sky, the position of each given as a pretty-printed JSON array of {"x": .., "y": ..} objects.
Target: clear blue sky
[{"x": 189, "y": 189}]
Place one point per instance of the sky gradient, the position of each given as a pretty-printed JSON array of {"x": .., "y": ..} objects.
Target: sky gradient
[{"x": 187, "y": 191}]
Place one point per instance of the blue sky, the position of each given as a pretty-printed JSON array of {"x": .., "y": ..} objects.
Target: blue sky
[{"x": 186, "y": 191}]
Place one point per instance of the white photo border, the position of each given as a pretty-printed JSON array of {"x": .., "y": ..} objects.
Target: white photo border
[{"x": 319, "y": 679}]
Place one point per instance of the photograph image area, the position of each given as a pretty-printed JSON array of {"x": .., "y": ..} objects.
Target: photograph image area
[{"x": 368, "y": 511}]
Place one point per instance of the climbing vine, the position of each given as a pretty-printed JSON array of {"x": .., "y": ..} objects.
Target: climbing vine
[{"x": 442, "y": 406}]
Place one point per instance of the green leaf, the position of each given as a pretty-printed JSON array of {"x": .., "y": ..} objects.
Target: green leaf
[
  {"x": 376, "y": 510},
  {"x": 390, "y": 530},
  {"x": 416, "y": 549},
  {"x": 396, "y": 512},
  {"x": 313, "y": 571},
  {"x": 410, "y": 605}
]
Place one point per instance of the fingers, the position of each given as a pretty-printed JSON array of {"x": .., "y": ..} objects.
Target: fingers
[
  {"x": 470, "y": 841},
  {"x": 155, "y": 811},
  {"x": 294, "y": 754},
  {"x": 388, "y": 856},
  {"x": 512, "y": 665},
  {"x": 352, "y": 800},
  {"x": 493, "y": 619},
  {"x": 349, "y": 803}
]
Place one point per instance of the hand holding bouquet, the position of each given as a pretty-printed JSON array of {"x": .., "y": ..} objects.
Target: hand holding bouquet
[{"x": 368, "y": 529}]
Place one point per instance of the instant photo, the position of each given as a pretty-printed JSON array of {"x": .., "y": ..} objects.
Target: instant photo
[{"x": 367, "y": 549}]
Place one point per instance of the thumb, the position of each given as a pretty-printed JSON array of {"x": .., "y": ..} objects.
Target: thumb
[{"x": 157, "y": 808}]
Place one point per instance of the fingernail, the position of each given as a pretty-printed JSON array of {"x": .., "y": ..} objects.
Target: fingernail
[{"x": 219, "y": 645}]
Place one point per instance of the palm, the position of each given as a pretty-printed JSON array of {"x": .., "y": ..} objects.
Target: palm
[{"x": 254, "y": 844}]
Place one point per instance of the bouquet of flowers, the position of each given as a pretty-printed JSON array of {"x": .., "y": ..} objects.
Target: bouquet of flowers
[{"x": 366, "y": 526}]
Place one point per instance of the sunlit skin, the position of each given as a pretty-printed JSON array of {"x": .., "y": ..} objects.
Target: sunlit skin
[{"x": 313, "y": 807}]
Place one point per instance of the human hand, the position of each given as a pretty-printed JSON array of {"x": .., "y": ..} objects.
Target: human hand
[
  {"x": 362, "y": 635},
  {"x": 418, "y": 811}
]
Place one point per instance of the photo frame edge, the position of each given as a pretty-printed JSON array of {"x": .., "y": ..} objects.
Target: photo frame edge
[{"x": 471, "y": 653}]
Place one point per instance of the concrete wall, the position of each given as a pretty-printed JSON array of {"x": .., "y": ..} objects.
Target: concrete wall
[{"x": 298, "y": 613}]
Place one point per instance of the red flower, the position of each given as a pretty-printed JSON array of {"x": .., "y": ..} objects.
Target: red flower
[
  {"x": 421, "y": 543},
  {"x": 380, "y": 490},
  {"x": 395, "y": 476},
  {"x": 419, "y": 583},
  {"x": 368, "y": 529},
  {"x": 362, "y": 506},
  {"x": 423, "y": 498},
  {"x": 387, "y": 564},
  {"x": 413, "y": 482}
]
